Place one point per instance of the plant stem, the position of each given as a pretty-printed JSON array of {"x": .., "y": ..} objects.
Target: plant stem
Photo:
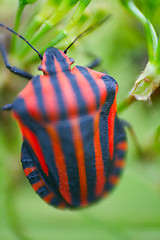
[
  {"x": 151, "y": 36},
  {"x": 125, "y": 103},
  {"x": 135, "y": 139},
  {"x": 16, "y": 26}
]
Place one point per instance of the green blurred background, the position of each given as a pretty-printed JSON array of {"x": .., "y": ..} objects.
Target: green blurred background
[{"x": 132, "y": 211}]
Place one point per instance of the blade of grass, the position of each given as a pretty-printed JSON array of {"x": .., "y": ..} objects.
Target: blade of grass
[{"x": 62, "y": 9}]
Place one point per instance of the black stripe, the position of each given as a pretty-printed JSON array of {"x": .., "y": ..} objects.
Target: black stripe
[
  {"x": 121, "y": 153},
  {"x": 87, "y": 132},
  {"x": 119, "y": 136},
  {"x": 38, "y": 93},
  {"x": 111, "y": 89},
  {"x": 42, "y": 191},
  {"x": 82, "y": 108},
  {"x": 54, "y": 53},
  {"x": 27, "y": 161},
  {"x": 65, "y": 135},
  {"x": 33, "y": 177},
  {"x": 103, "y": 125},
  {"x": 55, "y": 202},
  {"x": 61, "y": 60},
  {"x": 109, "y": 187},
  {"x": 116, "y": 172},
  {"x": 61, "y": 104}
]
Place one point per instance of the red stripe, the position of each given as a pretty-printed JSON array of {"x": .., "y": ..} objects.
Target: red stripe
[
  {"x": 119, "y": 163},
  {"x": 37, "y": 185},
  {"x": 105, "y": 194},
  {"x": 67, "y": 92},
  {"x": 78, "y": 143},
  {"x": 34, "y": 144},
  {"x": 49, "y": 98},
  {"x": 100, "y": 84},
  {"x": 30, "y": 99},
  {"x": 111, "y": 123},
  {"x": 61, "y": 205},
  {"x": 66, "y": 57},
  {"x": 29, "y": 170},
  {"x": 113, "y": 179},
  {"x": 60, "y": 162},
  {"x": 122, "y": 146},
  {"x": 49, "y": 197},
  {"x": 100, "y": 173},
  {"x": 72, "y": 111}
]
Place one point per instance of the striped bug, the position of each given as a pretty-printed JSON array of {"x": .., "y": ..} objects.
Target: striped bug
[{"x": 74, "y": 145}]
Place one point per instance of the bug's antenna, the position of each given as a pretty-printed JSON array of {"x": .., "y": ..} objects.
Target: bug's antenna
[
  {"x": 11, "y": 30},
  {"x": 88, "y": 30}
]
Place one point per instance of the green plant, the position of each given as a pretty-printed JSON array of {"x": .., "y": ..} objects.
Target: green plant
[{"x": 133, "y": 210}]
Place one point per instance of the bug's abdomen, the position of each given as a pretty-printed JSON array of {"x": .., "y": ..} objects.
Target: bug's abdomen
[
  {"x": 78, "y": 159},
  {"x": 81, "y": 169}
]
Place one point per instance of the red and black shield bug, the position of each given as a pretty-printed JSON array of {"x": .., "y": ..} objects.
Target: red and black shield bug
[{"x": 74, "y": 145}]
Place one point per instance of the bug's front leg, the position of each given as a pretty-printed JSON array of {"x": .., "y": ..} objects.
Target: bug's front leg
[
  {"x": 7, "y": 107},
  {"x": 13, "y": 69}
]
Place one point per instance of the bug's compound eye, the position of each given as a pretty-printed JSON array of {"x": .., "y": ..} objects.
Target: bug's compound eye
[{"x": 71, "y": 60}]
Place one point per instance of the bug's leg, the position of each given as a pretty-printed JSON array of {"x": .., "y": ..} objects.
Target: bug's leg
[
  {"x": 95, "y": 63},
  {"x": 134, "y": 137},
  {"x": 7, "y": 107},
  {"x": 12, "y": 68}
]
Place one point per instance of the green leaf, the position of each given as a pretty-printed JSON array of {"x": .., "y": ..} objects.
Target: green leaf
[
  {"x": 157, "y": 140},
  {"x": 124, "y": 2},
  {"x": 150, "y": 4},
  {"x": 25, "y": 2}
]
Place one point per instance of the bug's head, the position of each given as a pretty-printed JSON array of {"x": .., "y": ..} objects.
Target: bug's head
[{"x": 54, "y": 60}]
